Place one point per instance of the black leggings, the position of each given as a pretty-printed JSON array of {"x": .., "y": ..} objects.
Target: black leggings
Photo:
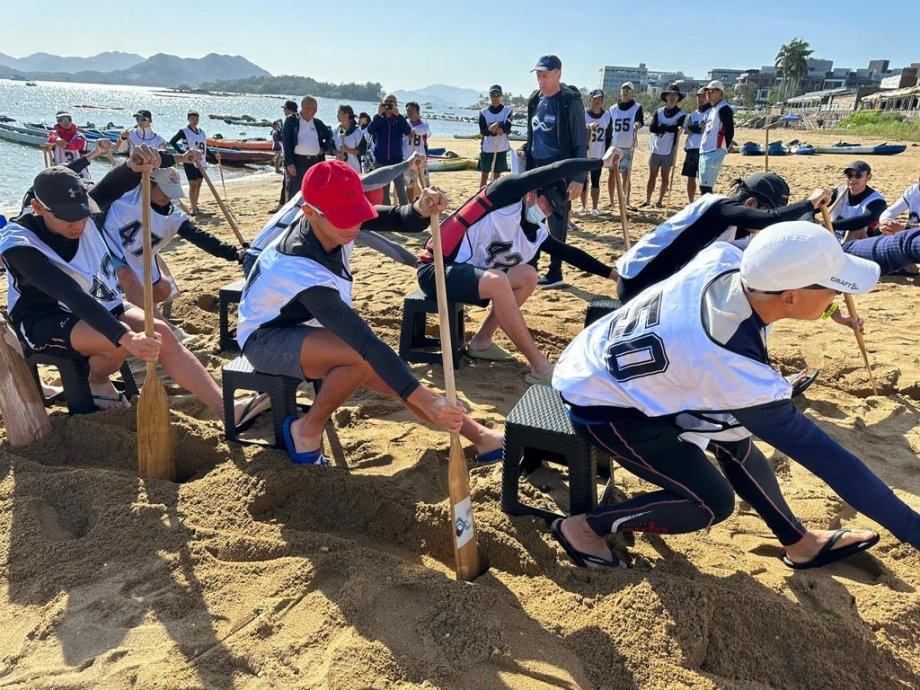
[{"x": 694, "y": 495}]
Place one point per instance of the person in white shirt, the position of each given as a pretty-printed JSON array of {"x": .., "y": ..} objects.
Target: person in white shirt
[
  {"x": 305, "y": 140},
  {"x": 494, "y": 126},
  {"x": 693, "y": 128},
  {"x": 350, "y": 144},
  {"x": 142, "y": 134},
  {"x": 193, "y": 138},
  {"x": 600, "y": 130},
  {"x": 416, "y": 141}
]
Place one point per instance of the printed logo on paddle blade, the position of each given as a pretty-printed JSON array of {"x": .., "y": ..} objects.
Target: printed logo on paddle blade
[{"x": 463, "y": 521}]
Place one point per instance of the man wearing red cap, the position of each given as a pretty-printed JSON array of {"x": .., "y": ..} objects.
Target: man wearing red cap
[{"x": 296, "y": 319}]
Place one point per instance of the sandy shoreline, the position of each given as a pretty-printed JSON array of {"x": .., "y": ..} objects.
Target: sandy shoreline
[{"x": 253, "y": 573}]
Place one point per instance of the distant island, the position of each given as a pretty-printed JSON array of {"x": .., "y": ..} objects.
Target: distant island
[{"x": 289, "y": 83}]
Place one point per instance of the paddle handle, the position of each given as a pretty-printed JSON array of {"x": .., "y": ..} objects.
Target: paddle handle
[
  {"x": 447, "y": 351},
  {"x": 148, "y": 254},
  {"x": 223, "y": 207},
  {"x": 619, "y": 182},
  {"x": 667, "y": 203}
]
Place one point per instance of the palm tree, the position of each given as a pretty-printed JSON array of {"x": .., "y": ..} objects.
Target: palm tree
[{"x": 792, "y": 61}]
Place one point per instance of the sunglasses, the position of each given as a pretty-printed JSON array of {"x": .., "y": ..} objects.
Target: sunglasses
[
  {"x": 65, "y": 119},
  {"x": 851, "y": 175},
  {"x": 626, "y": 90},
  {"x": 140, "y": 118}
]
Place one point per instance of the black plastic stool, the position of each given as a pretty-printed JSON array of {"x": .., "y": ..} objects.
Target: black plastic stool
[
  {"x": 240, "y": 374},
  {"x": 229, "y": 294},
  {"x": 539, "y": 423},
  {"x": 412, "y": 337},
  {"x": 75, "y": 379},
  {"x": 600, "y": 306}
]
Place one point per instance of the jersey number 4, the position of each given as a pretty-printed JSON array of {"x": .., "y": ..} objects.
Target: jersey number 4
[
  {"x": 128, "y": 234},
  {"x": 632, "y": 358}
]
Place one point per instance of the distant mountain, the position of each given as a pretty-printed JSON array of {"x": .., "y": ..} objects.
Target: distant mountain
[
  {"x": 442, "y": 95},
  {"x": 45, "y": 62},
  {"x": 158, "y": 70}
]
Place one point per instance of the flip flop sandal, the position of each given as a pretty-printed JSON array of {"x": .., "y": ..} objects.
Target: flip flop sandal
[
  {"x": 580, "y": 559},
  {"x": 803, "y": 385},
  {"x": 491, "y": 457},
  {"x": 546, "y": 380},
  {"x": 493, "y": 353},
  {"x": 828, "y": 554},
  {"x": 255, "y": 407},
  {"x": 116, "y": 402},
  {"x": 311, "y": 457}
]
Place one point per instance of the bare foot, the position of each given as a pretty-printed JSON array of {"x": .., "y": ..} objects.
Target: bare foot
[
  {"x": 813, "y": 541},
  {"x": 490, "y": 441},
  {"x": 105, "y": 396}
]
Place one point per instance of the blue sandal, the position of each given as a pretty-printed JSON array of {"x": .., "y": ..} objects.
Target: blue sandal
[{"x": 312, "y": 457}]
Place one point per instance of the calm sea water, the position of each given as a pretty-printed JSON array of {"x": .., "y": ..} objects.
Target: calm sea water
[{"x": 41, "y": 102}]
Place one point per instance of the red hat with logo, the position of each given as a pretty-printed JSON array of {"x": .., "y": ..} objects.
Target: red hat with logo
[{"x": 335, "y": 190}]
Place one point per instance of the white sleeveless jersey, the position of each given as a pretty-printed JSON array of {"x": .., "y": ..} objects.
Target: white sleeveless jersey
[
  {"x": 663, "y": 353},
  {"x": 62, "y": 157},
  {"x": 623, "y": 120},
  {"x": 597, "y": 137},
  {"x": 652, "y": 243},
  {"x": 414, "y": 141},
  {"x": 713, "y": 136},
  {"x": 693, "y": 139},
  {"x": 91, "y": 267},
  {"x": 135, "y": 138},
  {"x": 497, "y": 241},
  {"x": 351, "y": 142},
  {"x": 843, "y": 210},
  {"x": 278, "y": 223},
  {"x": 197, "y": 142},
  {"x": 910, "y": 202},
  {"x": 500, "y": 143},
  {"x": 124, "y": 231},
  {"x": 277, "y": 278},
  {"x": 663, "y": 143}
]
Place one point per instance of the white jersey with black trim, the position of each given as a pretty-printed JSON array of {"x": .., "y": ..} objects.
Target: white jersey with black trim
[
  {"x": 597, "y": 137},
  {"x": 497, "y": 240},
  {"x": 278, "y": 223},
  {"x": 91, "y": 267},
  {"x": 351, "y": 141},
  {"x": 694, "y": 138},
  {"x": 652, "y": 243},
  {"x": 123, "y": 231},
  {"x": 665, "y": 353},
  {"x": 197, "y": 142},
  {"x": 909, "y": 201},
  {"x": 136, "y": 137},
  {"x": 62, "y": 157},
  {"x": 277, "y": 278},
  {"x": 415, "y": 140},
  {"x": 500, "y": 143},
  {"x": 624, "y": 136},
  {"x": 663, "y": 143},
  {"x": 842, "y": 210},
  {"x": 713, "y": 136}
]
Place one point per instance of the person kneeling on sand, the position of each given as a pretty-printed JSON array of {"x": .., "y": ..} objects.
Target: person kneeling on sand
[
  {"x": 296, "y": 319},
  {"x": 683, "y": 367},
  {"x": 489, "y": 244},
  {"x": 65, "y": 300}
]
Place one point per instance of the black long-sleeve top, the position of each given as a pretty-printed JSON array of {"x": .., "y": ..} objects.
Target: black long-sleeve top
[
  {"x": 657, "y": 128},
  {"x": 868, "y": 219},
  {"x": 484, "y": 126}
]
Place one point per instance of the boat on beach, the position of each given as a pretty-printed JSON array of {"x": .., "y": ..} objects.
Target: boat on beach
[{"x": 885, "y": 149}]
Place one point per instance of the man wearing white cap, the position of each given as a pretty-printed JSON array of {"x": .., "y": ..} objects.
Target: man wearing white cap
[
  {"x": 684, "y": 368},
  {"x": 718, "y": 133}
]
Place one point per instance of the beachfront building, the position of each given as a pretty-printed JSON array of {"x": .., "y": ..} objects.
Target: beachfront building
[
  {"x": 728, "y": 77},
  {"x": 658, "y": 81},
  {"x": 821, "y": 77},
  {"x": 612, "y": 77}
]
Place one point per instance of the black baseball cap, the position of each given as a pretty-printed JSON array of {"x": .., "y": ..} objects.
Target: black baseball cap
[
  {"x": 290, "y": 105},
  {"x": 496, "y": 87},
  {"x": 858, "y": 166},
  {"x": 597, "y": 93},
  {"x": 547, "y": 63},
  {"x": 767, "y": 187},
  {"x": 63, "y": 192},
  {"x": 143, "y": 113},
  {"x": 192, "y": 112}
]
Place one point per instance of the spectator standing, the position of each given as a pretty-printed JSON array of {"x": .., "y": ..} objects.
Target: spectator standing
[
  {"x": 142, "y": 134},
  {"x": 276, "y": 145},
  {"x": 416, "y": 141},
  {"x": 494, "y": 126},
  {"x": 600, "y": 130},
  {"x": 305, "y": 140},
  {"x": 388, "y": 129},
  {"x": 717, "y": 136},
  {"x": 194, "y": 140},
  {"x": 667, "y": 121},
  {"x": 350, "y": 144},
  {"x": 628, "y": 119},
  {"x": 693, "y": 128},
  {"x": 367, "y": 162}
]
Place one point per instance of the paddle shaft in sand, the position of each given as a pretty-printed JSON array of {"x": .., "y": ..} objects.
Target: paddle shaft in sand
[
  {"x": 155, "y": 458},
  {"x": 466, "y": 547},
  {"x": 622, "y": 200},
  {"x": 851, "y": 308},
  {"x": 667, "y": 202},
  {"x": 21, "y": 404},
  {"x": 223, "y": 207}
]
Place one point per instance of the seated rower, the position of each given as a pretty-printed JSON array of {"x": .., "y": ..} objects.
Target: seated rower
[{"x": 856, "y": 216}]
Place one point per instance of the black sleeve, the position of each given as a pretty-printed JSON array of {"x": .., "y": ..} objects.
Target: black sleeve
[
  {"x": 510, "y": 189},
  {"x": 640, "y": 116},
  {"x": 506, "y": 126},
  {"x": 654, "y": 127},
  {"x": 866, "y": 219},
  {"x": 179, "y": 136},
  {"x": 576, "y": 257},
  {"x": 730, "y": 213},
  {"x": 397, "y": 219},
  {"x": 676, "y": 127},
  {"x": 208, "y": 242},
  {"x": 483, "y": 126},
  {"x": 728, "y": 123},
  {"x": 694, "y": 128},
  {"x": 78, "y": 165},
  {"x": 362, "y": 147},
  {"x": 39, "y": 271},
  {"x": 327, "y": 307}
]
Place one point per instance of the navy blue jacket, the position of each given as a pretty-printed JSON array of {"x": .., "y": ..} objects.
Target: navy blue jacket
[
  {"x": 388, "y": 133},
  {"x": 289, "y": 136}
]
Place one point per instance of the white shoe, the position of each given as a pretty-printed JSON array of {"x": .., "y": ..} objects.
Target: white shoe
[
  {"x": 581, "y": 210},
  {"x": 596, "y": 212}
]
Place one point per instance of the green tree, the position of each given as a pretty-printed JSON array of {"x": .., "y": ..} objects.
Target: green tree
[
  {"x": 792, "y": 61},
  {"x": 748, "y": 94}
]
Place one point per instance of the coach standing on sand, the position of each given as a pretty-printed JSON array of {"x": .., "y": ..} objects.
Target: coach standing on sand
[
  {"x": 555, "y": 132},
  {"x": 305, "y": 140}
]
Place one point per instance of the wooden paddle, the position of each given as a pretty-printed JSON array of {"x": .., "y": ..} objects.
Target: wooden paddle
[
  {"x": 466, "y": 547},
  {"x": 155, "y": 459},
  {"x": 766, "y": 149},
  {"x": 619, "y": 181},
  {"x": 220, "y": 169},
  {"x": 21, "y": 403},
  {"x": 47, "y": 156},
  {"x": 667, "y": 202},
  {"x": 223, "y": 208},
  {"x": 851, "y": 308}
]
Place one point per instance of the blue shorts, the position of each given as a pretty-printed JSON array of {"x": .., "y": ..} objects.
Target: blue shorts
[
  {"x": 710, "y": 164},
  {"x": 626, "y": 159}
]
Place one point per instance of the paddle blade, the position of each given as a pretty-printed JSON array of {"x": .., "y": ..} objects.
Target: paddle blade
[
  {"x": 21, "y": 404},
  {"x": 155, "y": 453},
  {"x": 466, "y": 546}
]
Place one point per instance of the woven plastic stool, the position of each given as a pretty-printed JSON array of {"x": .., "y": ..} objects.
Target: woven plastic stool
[
  {"x": 412, "y": 337},
  {"x": 75, "y": 379},
  {"x": 240, "y": 374},
  {"x": 600, "y": 306},
  {"x": 229, "y": 294},
  {"x": 539, "y": 423}
]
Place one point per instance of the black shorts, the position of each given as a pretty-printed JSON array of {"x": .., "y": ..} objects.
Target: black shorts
[
  {"x": 595, "y": 179},
  {"x": 192, "y": 172},
  {"x": 691, "y": 167},
  {"x": 462, "y": 283},
  {"x": 50, "y": 332}
]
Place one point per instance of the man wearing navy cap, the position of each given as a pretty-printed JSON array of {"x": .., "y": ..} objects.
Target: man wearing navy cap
[
  {"x": 494, "y": 126},
  {"x": 858, "y": 213},
  {"x": 555, "y": 132}
]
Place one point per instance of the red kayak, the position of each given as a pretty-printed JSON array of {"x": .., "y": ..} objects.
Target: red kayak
[
  {"x": 241, "y": 145},
  {"x": 230, "y": 157}
]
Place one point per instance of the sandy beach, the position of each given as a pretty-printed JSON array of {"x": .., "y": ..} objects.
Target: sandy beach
[{"x": 253, "y": 573}]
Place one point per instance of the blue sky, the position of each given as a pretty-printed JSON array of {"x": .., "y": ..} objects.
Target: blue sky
[{"x": 471, "y": 43}]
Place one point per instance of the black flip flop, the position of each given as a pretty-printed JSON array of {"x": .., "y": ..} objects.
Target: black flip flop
[
  {"x": 580, "y": 559},
  {"x": 804, "y": 384},
  {"x": 828, "y": 554}
]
